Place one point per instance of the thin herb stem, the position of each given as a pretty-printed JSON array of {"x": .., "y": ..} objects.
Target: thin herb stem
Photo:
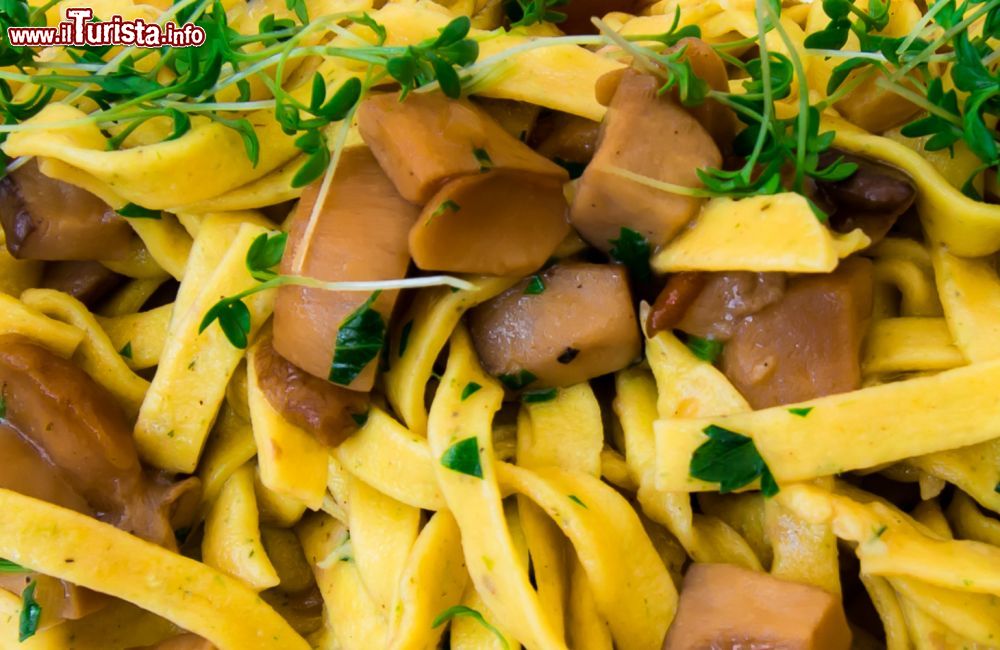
[
  {"x": 919, "y": 100},
  {"x": 802, "y": 123},
  {"x": 944, "y": 38}
]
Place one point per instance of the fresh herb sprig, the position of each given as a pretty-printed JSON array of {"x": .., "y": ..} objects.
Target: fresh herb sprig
[
  {"x": 524, "y": 13},
  {"x": 462, "y": 610},
  {"x": 731, "y": 460},
  {"x": 263, "y": 255}
]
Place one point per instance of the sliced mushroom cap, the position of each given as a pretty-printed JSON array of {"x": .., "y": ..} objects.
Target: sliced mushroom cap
[
  {"x": 427, "y": 139},
  {"x": 806, "y": 345},
  {"x": 26, "y": 470},
  {"x": 360, "y": 234},
  {"x": 726, "y": 606},
  {"x": 652, "y": 136},
  {"x": 80, "y": 428},
  {"x": 872, "y": 199},
  {"x": 718, "y": 120},
  {"x": 310, "y": 403},
  {"x": 498, "y": 223},
  {"x": 89, "y": 282},
  {"x": 48, "y": 219},
  {"x": 726, "y": 299},
  {"x": 580, "y": 326}
]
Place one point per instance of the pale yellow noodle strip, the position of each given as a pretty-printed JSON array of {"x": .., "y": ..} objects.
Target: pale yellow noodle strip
[
  {"x": 705, "y": 538},
  {"x": 887, "y": 604},
  {"x": 966, "y": 227},
  {"x": 383, "y": 532},
  {"x": 970, "y": 294},
  {"x": 585, "y": 626},
  {"x": 190, "y": 382},
  {"x": 232, "y": 534},
  {"x": 145, "y": 333},
  {"x": 891, "y": 544},
  {"x": 18, "y": 318},
  {"x": 864, "y": 428},
  {"x": 926, "y": 632},
  {"x": 433, "y": 580},
  {"x": 498, "y": 574},
  {"x": 276, "y": 509},
  {"x": 272, "y": 189},
  {"x": 390, "y": 458},
  {"x": 914, "y": 282},
  {"x": 469, "y": 634},
  {"x": 229, "y": 447},
  {"x": 292, "y": 462},
  {"x": 615, "y": 470},
  {"x": 96, "y": 354},
  {"x": 970, "y": 523},
  {"x": 631, "y": 585},
  {"x": 974, "y": 469},
  {"x": 975, "y": 616},
  {"x": 130, "y": 298},
  {"x": 192, "y": 595},
  {"x": 17, "y": 275},
  {"x": 349, "y": 612},
  {"x": 803, "y": 552},
  {"x": 434, "y": 315},
  {"x": 909, "y": 344},
  {"x": 338, "y": 479},
  {"x": 761, "y": 233}
]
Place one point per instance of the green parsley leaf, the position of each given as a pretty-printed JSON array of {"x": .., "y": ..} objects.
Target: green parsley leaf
[
  {"x": 632, "y": 250},
  {"x": 801, "y": 411},
  {"x": 264, "y": 254},
  {"x": 517, "y": 380},
  {"x": 404, "y": 337},
  {"x": 234, "y": 319},
  {"x": 469, "y": 389},
  {"x": 446, "y": 206},
  {"x": 126, "y": 350},
  {"x": 705, "y": 349},
  {"x": 539, "y": 396},
  {"x": 577, "y": 500},
  {"x": 483, "y": 158},
  {"x": 31, "y": 611},
  {"x": 731, "y": 460},
  {"x": 6, "y": 566},
  {"x": 360, "y": 419},
  {"x": 463, "y": 457},
  {"x": 531, "y": 12},
  {"x": 462, "y": 610},
  {"x": 134, "y": 211},
  {"x": 535, "y": 286},
  {"x": 359, "y": 340}
]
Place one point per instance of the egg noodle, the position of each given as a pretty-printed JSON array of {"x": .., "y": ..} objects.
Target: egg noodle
[{"x": 449, "y": 513}]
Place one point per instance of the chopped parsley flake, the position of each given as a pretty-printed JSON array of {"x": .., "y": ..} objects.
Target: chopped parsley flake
[
  {"x": 705, "y": 349},
  {"x": 633, "y": 251},
  {"x": 446, "y": 206},
  {"x": 535, "y": 286},
  {"x": 359, "y": 340},
  {"x": 469, "y": 389},
  {"x": 126, "y": 350},
  {"x": 360, "y": 419},
  {"x": 801, "y": 411},
  {"x": 517, "y": 380},
  {"x": 538, "y": 396},
  {"x": 6, "y": 566},
  {"x": 31, "y": 611},
  {"x": 463, "y": 457},
  {"x": 483, "y": 158},
  {"x": 404, "y": 337},
  {"x": 462, "y": 610},
  {"x": 731, "y": 460},
  {"x": 577, "y": 500}
]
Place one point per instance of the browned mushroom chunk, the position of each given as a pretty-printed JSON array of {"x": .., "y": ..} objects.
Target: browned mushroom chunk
[
  {"x": 872, "y": 199},
  {"x": 516, "y": 118},
  {"x": 567, "y": 139},
  {"x": 726, "y": 299},
  {"x": 498, "y": 223},
  {"x": 873, "y": 108},
  {"x": 806, "y": 345},
  {"x": 83, "y": 432},
  {"x": 581, "y": 325},
  {"x": 605, "y": 202},
  {"x": 310, "y": 403},
  {"x": 727, "y": 607},
  {"x": 428, "y": 139},
  {"x": 89, "y": 282},
  {"x": 47, "y": 219},
  {"x": 360, "y": 234}
]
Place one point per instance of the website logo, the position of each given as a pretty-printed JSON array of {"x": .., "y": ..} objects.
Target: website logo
[{"x": 80, "y": 29}]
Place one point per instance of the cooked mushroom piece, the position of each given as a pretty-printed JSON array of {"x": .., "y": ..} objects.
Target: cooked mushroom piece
[
  {"x": 568, "y": 140},
  {"x": 674, "y": 300},
  {"x": 360, "y": 233},
  {"x": 726, "y": 606},
  {"x": 315, "y": 405},
  {"x": 47, "y": 219},
  {"x": 872, "y": 199},
  {"x": 605, "y": 202},
  {"x": 726, "y": 298},
  {"x": 581, "y": 325},
  {"x": 89, "y": 282},
  {"x": 428, "y": 139},
  {"x": 498, "y": 223},
  {"x": 57, "y": 408},
  {"x": 806, "y": 345}
]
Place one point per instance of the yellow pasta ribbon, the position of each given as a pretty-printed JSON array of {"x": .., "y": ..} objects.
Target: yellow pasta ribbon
[
  {"x": 232, "y": 541},
  {"x": 761, "y": 233},
  {"x": 909, "y": 344},
  {"x": 229, "y": 447},
  {"x": 17, "y": 275},
  {"x": 194, "y": 596},
  {"x": 432, "y": 318},
  {"x": 18, "y": 318},
  {"x": 194, "y": 368},
  {"x": 145, "y": 334},
  {"x": 292, "y": 462}
]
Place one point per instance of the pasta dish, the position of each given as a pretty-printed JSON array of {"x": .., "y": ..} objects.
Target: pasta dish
[{"x": 488, "y": 324}]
